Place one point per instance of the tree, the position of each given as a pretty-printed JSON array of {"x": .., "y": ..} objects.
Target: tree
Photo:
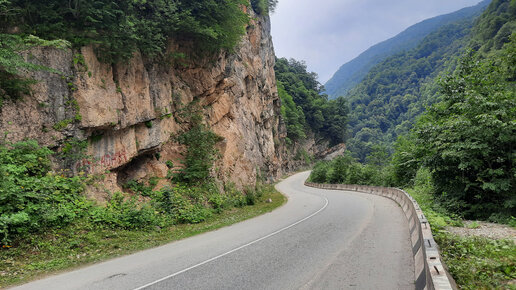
[
  {"x": 305, "y": 108},
  {"x": 468, "y": 140},
  {"x": 405, "y": 161}
]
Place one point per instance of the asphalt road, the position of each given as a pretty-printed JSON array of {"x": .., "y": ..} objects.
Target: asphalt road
[{"x": 319, "y": 240}]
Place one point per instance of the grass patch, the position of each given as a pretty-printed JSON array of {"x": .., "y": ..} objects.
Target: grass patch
[
  {"x": 83, "y": 243},
  {"x": 479, "y": 263}
]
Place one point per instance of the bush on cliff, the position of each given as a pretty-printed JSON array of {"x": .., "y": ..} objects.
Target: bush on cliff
[{"x": 200, "y": 150}]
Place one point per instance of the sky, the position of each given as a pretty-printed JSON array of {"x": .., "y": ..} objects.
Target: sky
[{"x": 328, "y": 33}]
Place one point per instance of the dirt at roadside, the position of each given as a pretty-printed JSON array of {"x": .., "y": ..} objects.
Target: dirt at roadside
[{"x": 484, "y": 229}]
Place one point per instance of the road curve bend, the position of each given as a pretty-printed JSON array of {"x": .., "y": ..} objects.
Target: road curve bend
[{"x": 321, "y": 239}]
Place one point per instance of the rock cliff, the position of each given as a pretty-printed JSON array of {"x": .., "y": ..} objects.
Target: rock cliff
[{"x": 126, "y": 113}]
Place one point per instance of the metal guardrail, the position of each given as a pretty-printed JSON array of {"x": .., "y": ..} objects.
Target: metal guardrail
[{"x": 428, "y": 267}]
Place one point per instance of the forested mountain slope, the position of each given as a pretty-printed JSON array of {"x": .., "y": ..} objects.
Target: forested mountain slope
[
  {"x": 389, "y": 99},
  {"x": 386, "y": 103},
  {"x": 352, "y": 73},
  {"x": 466, "y": 140}
]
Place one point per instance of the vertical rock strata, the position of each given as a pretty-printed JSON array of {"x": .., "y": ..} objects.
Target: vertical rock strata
[{"x": 129, "y": 111}]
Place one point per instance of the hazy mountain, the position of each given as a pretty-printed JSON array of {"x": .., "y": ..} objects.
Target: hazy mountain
[{"x": 353, "y": 72}]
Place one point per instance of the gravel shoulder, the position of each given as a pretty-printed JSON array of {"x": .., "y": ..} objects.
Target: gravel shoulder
[{"x": 484, "y": 229}]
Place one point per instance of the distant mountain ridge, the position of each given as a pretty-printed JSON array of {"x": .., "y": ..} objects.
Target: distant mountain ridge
[{"x": 353, "y": 72}]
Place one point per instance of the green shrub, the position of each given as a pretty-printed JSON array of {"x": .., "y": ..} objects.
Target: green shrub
[
  {"x": 200, "y": 151},
  {"x": 233, "y": 197},
  {"x": 128, "y": 214},
  {"x": 479, "y": 263},
  {"x": 140, "y": 187},
  {"x": 33, "y": 198},
  {"x": 176, "y": 202},
  {"x": 217, "y": 202},
  {"x": 263, "y": 6},
  {"x": 346, "y": 170},
  {"x": 251, "y": 196},
  {"x": 320, "y": 172}
]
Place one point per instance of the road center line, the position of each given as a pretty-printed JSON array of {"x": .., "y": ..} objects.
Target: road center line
[{"x": 236, "y": 249}]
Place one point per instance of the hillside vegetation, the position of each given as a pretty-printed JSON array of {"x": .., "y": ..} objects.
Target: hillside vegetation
[
  {"x": 466, "y": 138},
  {"x": 396, "y": 91},
  {"x": 353, "y": 72},
  {"x": 304, "y": 109},
  {"x": 386, "y": 103}
]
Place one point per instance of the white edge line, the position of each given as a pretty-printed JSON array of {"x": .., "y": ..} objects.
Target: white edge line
[{"x": 234, "y": 250}]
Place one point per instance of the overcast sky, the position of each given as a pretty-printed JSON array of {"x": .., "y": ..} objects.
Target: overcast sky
[{"x": 328, "y": 33}]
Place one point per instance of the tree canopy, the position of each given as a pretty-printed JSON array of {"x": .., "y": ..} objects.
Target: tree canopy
[
  {"x": 468, "y": 139},
  {"x": 397, "y": 90},
  {"x": 118, "y": 28},
  {"x": 305, "y": 108}
]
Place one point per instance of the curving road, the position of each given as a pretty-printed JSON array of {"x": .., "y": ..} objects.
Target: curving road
[{"x": 319, "y": 240}]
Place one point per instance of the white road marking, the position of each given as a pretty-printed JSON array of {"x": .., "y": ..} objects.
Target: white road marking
[{"x": 236, "y": 249}]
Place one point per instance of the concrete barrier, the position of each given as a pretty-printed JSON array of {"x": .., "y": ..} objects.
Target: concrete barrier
[{"x": 428, "y": 267}]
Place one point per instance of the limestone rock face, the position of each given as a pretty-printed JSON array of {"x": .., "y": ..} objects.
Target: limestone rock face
[
  {"x": 128, "y": 112},
  {"x": 34, "y": 116}
]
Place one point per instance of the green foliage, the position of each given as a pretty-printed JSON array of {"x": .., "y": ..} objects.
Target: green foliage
[
  {"x": 119, "y": 28},
  {"x": 33, "y": 198},
  {"x": 139, "y": 187},
  {"x": 494, "y": 28},
  {"x": 292, "y": 115},
  {"x": 200, "y": 150},
  {"x": 405, "y": 160},
  {"x": 263, "y": 6},
  {"x": 320, "y": 172},
  {"x": 397, "y": 90},
  {"x": 479, "y": 263},
  {"x": 304, "y": 108},
  {"x": 61, "y": 125},
  {"x": 467, "y": 140},
  {"x": 347, "y": 170},
  {"x": 125, "y": 213}
]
